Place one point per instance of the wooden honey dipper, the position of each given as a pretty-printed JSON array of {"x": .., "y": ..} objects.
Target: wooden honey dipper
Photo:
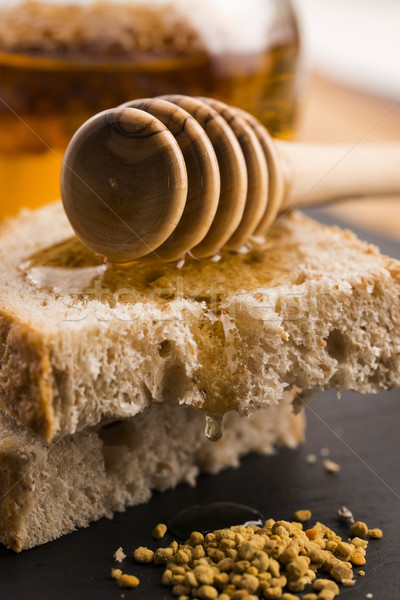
[{"x": 160, "y": 177}]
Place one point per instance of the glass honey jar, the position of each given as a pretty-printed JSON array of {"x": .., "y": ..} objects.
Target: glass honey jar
[{"x": 62, "y": 61}]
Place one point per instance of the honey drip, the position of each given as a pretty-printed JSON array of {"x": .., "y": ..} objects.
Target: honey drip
[
  {"x": 204, "y": 280},
  {"x": 214, "y": 428}
]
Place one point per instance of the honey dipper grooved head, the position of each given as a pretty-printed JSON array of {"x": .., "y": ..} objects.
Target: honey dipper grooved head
[
  {"x": 159, "y": 177},
  {"x": 203, "y": 176},
  {"x": 123, "y": 183}
]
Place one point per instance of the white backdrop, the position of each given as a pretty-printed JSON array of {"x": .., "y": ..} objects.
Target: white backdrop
[{"x": 355, "y": 41}]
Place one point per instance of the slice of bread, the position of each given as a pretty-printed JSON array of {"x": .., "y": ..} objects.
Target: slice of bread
[
  {"x": 310, "y": 306},
  {"x": 50, "y": 489}
]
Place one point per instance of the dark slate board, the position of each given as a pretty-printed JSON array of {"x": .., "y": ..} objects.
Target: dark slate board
[{"x": 363, "y": 435}]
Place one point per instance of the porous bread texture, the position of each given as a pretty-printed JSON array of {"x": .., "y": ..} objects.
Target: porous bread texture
[
  {"x": 49, "y": 490},
  {"x": 326, "y": 313}
]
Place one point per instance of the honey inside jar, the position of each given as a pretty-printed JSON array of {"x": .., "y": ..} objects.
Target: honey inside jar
[{"x": 62, "y": 63}]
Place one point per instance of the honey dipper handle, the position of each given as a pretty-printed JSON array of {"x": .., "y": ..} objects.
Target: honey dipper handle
[{"x": 316, "y": 173}]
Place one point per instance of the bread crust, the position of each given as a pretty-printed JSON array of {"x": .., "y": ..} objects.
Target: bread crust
[
  {"x": 15, "y": 481},
  {"x": 25, "y": 376}
]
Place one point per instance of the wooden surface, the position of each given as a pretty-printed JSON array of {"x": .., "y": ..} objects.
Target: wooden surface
[{"x": 332, "y": 113}]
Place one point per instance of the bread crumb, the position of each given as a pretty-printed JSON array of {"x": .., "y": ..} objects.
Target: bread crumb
[
  {"x": 345, "y": 515},
  {"x": 119, "y": 555},
  {"x": 324, "y": 452},
  {"x": 159, "y": 531},
  {"x": 361, "y": 573},
  {"x": 302, "y": 515},
  {"x": 128, "y": 581},
  {"x": 311, "y": 459},
  {"x": 369, "y": 595},
  {"x": 348, "y": 582},
  {"x": 330, "y": 466}
]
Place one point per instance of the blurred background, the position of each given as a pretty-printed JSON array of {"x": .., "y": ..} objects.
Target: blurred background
[
  {"x": 352, "y": 50},
  {"x": 316, "y": 70},
  {"x": 354, "y": 42}
]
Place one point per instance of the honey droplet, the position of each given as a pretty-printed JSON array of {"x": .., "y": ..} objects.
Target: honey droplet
[{"x": 214, "y": 428}]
